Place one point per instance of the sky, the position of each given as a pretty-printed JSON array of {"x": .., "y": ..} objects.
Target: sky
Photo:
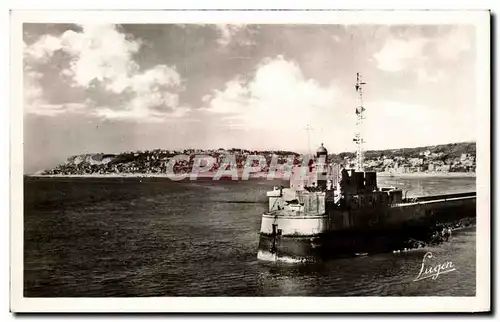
[{"x": 116, "y": 88}]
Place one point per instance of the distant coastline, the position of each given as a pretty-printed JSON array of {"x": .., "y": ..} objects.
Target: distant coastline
[
  {"x": 427, "y": 174},
  {"x": 139, "y": 175},
  {"x": 257, "y": 175},
  {"x": 435, "y": 161}
]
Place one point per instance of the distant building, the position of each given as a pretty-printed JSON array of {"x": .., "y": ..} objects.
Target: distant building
[
  {"x": 445, "y": 168},
  {"x": 416, "y": 161},
  {"x": 388, "y": 162},
  {"x": 425, "y": 153},
  {"x": 436, "y": 155}
]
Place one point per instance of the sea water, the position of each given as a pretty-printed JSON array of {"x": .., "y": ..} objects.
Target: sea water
[{"x": 110, "y": 237}]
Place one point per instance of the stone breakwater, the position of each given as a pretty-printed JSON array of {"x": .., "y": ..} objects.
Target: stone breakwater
[{"x": 438, "y": 234}]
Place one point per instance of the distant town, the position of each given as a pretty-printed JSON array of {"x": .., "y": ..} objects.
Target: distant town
[{"x": 454, "y": 157}]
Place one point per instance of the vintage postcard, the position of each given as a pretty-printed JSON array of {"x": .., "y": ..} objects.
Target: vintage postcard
[{"x": 250, "y": 161}]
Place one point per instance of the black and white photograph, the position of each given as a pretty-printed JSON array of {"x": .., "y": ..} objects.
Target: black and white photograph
[{"x": 251, "y": 157}]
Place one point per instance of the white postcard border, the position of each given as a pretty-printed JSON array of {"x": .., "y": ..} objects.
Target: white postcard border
[{"x": 481, "y": 19}]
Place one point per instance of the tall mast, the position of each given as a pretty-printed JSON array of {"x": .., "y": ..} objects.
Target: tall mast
[
  {"x": 358, "y": 138},
  {"x": 309, "y": 129}
]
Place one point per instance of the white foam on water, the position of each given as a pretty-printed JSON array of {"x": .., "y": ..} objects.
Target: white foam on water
[{"x": 268, "y": 256}]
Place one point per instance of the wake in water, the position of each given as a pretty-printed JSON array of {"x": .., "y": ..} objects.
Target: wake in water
[{"x": 438, "y": 234}]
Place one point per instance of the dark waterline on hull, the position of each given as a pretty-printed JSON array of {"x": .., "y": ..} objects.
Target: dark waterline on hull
[{"x": 344, "y": 244}]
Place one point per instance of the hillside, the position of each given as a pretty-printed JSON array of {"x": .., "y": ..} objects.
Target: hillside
[
  {"x": 455, "y": 157},
  {"x": 449, "y": 151}
]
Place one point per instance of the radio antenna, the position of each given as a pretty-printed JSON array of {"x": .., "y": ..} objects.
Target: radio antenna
[
  {"x": 309, "y": 128},
  {"x": 358, "y": 138}
]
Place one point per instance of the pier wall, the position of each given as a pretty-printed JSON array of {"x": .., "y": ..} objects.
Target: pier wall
[{"x": 433, "y": 211}]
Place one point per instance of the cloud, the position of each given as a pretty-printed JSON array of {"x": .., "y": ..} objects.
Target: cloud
[
  {"x": 239, "y": 33},
  {"x": 457, "y": 41},
  {"x": 280, "y": 101},
  {"x": 434, "y": 76},
  {"x": 34, "y": 101},
  {"x": 407, "y": 124},
  {"x": 398, "y": 54},
  {"x": 422, "y": 54},
  {"x": 139, "y": 113},
  {"x": 100, "y": 53},
  {"x": 278, "y": 96},
  {"x": 336, "y": 38},
  {"x": 31, "y": 88},
  {"x": 42, "y": 49},
  {"x": 102, "y": 56},
  {"x": 226, "y": 33}
]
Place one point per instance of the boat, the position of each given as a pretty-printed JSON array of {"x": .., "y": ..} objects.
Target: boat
[{"x": 329, "y": 210}]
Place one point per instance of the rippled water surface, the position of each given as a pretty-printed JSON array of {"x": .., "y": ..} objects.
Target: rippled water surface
[{"x": 155, "y": 237}]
